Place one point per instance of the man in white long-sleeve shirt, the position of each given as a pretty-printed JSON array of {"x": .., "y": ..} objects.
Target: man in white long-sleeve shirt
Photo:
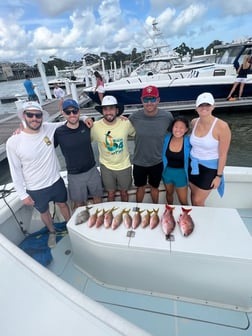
[
  {"x": 34, "y": 165},
  {"x": 59, "y": 94}
]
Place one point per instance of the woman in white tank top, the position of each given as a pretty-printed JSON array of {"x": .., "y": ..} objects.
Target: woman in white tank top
[{"x": 210, "y": 141}]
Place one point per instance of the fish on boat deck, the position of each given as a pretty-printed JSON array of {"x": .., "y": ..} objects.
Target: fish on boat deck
[
  {"x": 117, "y": 220},
  {"x": 154, "y": 219},
  {"x": 185, "y": 222},
  {"x": 92, "y": 219},
  {"x": 100, "y": 219},
  {"x": 168, "y": 222},
  {"x": 137, "y": 218},
  {"x": 146, "y": 218},
  {"x": 83, "y": 216},
  {"x": 127, "y": 219},
  {"x": 108, "y": 218}
]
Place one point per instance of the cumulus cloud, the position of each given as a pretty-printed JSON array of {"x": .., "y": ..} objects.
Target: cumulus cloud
[
  {"x": 68, "y": 28},
  {"x": 189, "y": 15}
]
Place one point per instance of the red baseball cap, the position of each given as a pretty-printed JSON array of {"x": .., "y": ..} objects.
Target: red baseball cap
[{"x": 150, "y": 91}]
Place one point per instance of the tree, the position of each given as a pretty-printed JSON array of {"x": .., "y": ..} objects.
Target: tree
[
  {"x": 183, "y": 49},
  {"x": 59, "y": 63},
  {"x": 212, "y": 45}
]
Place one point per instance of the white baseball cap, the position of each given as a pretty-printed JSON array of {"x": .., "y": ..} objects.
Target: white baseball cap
[
  {"x": 32, "y": 106},
  {"x": 205, "y": 98}
]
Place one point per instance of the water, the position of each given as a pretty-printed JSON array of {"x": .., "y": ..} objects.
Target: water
[
  {"x": 13, "y": 88},
  {"x": 240, "y": 122}
]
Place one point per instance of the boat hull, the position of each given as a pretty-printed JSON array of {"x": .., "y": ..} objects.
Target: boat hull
[{"x": 171, "y": 90}]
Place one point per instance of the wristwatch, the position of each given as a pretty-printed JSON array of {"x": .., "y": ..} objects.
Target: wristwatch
[{"x": 219, "y": 175}]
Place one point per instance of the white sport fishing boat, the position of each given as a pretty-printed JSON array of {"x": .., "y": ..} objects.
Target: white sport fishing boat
[
  {"x": 183, "y": 86},
  {"x": 131, "y": 281}
]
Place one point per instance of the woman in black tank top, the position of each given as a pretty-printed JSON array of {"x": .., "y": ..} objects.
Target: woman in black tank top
[{"x": 241, "y": 78}]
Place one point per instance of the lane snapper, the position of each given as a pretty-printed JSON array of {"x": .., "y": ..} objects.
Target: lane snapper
[
  {"x": 117, "y": 220},
  {"x": 108, "y": 218},
  {"x": 146, "y": 218},
  {"x": 127, "y": 219},
  {"x": 137, "y": 218},
  {"x": 83, "y": 216},
  {"x": 100, "y": 219},
  {"x": 154, "y": 219},
  {"x": 185, "y": 222},
  {"x": 168, "y": 221},
  {"x": 93, "y": 218}
]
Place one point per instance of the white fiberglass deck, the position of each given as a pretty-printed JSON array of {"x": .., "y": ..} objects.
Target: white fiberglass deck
[{"x": 159, "y": 315}]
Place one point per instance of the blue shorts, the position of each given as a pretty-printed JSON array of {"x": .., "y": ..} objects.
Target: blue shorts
[
  {"x": 56, "y": 193},
  {"x": 175, "y": 176}
]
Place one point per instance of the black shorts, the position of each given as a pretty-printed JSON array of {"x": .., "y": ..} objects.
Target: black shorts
[
  {"x": 56, "y": 193},
  {"x": 205, "y": 177},
  {"x": 152, "y": 175}
]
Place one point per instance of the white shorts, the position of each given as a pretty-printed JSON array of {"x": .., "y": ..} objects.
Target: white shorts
[
  {"x": 100, "y": 89},
  {"x": 241, "y": 80}
]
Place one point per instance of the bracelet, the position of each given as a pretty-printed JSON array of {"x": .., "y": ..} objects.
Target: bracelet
[{"x": 219, "y": 175}]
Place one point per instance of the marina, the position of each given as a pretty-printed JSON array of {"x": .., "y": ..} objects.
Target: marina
[
  {"x": 9, "y": 123},
  {"x": 178, "y": 85},
  {"x": 236, "y": 113},
  {"x": 132, "y": 268},
  {"x": 100, "y": 277}
]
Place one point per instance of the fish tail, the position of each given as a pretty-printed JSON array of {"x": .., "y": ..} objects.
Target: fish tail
[
  {"x": 186, "y": 210},
  {"x": 169, "y": 207}
]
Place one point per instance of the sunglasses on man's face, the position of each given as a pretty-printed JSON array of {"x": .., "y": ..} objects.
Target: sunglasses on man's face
[
  {"x": 73, "y": 111},
  {"x": 149, "y": 99},
  {"x": 36, "y": 115}
]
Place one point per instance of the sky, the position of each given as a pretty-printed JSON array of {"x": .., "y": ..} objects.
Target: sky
[{"x": 68, "y": 29}]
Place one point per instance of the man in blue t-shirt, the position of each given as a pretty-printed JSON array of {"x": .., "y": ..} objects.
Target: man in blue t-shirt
[{"x": 30, "y": 89}]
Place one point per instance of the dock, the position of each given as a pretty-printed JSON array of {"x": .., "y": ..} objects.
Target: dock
[{"x": 11, "y": 122}]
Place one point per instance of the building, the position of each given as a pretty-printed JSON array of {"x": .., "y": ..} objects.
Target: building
[{"x": 6, "y": 72}]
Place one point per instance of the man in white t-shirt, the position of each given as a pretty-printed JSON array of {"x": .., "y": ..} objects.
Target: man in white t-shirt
[{"x": 59, "y": 94}]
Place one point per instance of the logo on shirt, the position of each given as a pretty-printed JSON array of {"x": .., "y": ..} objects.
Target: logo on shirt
[
  {"x": 47, "y": 140},
  {"x": 114, "y": 146}
]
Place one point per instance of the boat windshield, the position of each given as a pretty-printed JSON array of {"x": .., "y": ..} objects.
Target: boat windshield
[{"x": 228, "y": 54}]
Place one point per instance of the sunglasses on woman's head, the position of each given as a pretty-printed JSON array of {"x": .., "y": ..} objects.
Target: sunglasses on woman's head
[{"x": 73, "y": 111}]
